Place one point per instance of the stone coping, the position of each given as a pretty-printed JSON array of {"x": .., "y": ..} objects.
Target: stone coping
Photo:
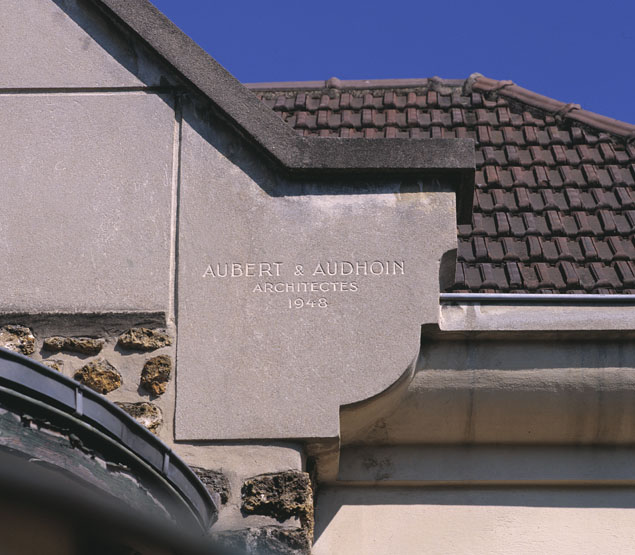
[{"x": 260, "y": 124}]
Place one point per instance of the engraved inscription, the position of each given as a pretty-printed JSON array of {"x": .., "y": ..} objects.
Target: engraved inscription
[
  {"x": 319, "y": 278},
  {"x": 239, "y": 269},
  {"x": 301, "y": 303}
]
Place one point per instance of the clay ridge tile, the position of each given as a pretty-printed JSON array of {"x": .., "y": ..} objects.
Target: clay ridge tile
[{"x": 557, "y": 108}]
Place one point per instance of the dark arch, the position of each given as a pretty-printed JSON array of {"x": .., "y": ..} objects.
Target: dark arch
[{"x": 68, "y": 448}]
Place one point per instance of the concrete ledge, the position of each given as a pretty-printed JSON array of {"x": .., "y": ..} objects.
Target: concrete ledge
[
  {"x": 383, "y": 154},
  {"x": 505, "y": 312},
  {"x": 487, "y": 465}
]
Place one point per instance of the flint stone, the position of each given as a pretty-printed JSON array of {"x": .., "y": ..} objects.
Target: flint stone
[
  {"x": 297, "y": 296},
  {"x": 100, "y": 376},
  {"x": 147, "y": 414},
  {"x": 156, "y": 374},
  {"x": 280, "y": 495},
  {"x": 215, "y": 482},
  {"x": 88, "y": 218},
  {"x": 144, "y": 339},
  {"x": 82, "y": 345},
  {"x": 17, "y": 338},
  {"x": 57, "y": 365},
  {"x": 267, "y": 540}
]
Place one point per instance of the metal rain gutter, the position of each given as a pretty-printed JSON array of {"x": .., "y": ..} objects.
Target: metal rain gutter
[
  {"x": 537, "y": 298},
  {"x": 24, "y": 375}
]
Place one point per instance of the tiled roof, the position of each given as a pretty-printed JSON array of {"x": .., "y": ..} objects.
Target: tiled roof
[{"x": 554, "y": 204}]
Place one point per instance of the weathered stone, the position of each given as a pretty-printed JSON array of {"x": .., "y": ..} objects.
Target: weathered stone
[
  {"x": 99, "y": 375},
  {"x": 17, "y": 338},
  {"x": 82, "y": 345},
  {"x": 268, "y": 540},
  {"x": 280, "y": 495},
  {"x": 54, "y": 364},
  {"x": 147, "y": 414},
  {"x": 144, "y": 339},
  {"x": 156, "y": 374},
  {"x": 215, "y": 481}
]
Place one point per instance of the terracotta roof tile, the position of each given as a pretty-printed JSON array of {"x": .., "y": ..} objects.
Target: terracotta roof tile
[{"x": 554, "y": 203}]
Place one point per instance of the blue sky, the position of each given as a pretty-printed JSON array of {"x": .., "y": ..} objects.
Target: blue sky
[{"x": 575, "y": 51}]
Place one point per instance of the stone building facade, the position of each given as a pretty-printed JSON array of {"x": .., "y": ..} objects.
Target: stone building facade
[{"x": 270, "y": 279}]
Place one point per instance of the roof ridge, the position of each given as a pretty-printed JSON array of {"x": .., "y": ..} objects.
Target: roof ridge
[
  {"x": 558, "y": 109},
  {"x": 336, "y": 83},
  {"x": 475, "y": 82}
]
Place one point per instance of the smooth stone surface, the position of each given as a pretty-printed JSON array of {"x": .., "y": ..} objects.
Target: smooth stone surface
[
  {"x": 273, "y": 349},
  {"x": 472, "y": 521},
  {"x": 81, "y": 49},
  {"x": 85, "y": 211}
]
